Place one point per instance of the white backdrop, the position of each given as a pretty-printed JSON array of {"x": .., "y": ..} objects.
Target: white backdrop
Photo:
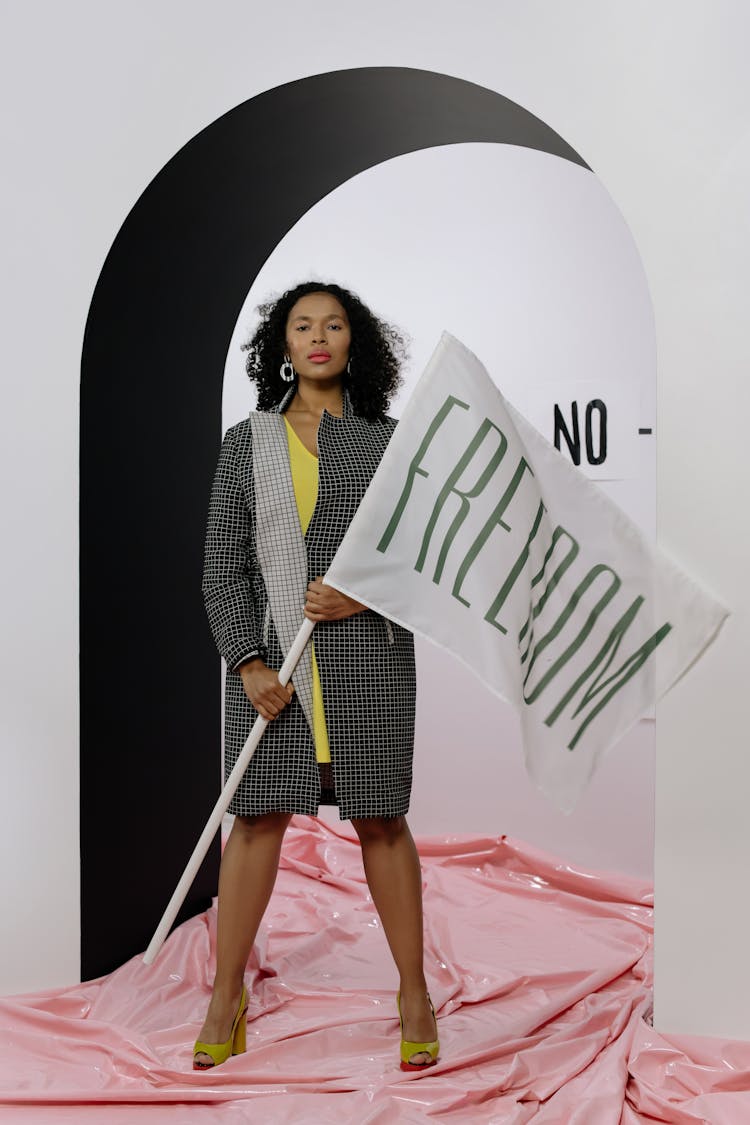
[
  {"x": 97, "y": 97},
  {"x": 525, "y": 257}
]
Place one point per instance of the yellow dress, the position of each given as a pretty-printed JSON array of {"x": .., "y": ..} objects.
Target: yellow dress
[{"x": 304, "y": 465}]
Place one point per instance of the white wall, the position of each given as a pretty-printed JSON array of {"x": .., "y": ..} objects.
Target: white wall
[
  {"x": 95, "y": 100},
  {"x": 525, "y": 257}
]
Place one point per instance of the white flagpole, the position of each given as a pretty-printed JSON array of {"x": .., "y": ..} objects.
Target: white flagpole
[{"x": 221, "y": 806}]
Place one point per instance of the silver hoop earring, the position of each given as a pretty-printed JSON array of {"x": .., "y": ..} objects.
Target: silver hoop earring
[
  {"x": 349, "y": 368},
  {"x": 286, "y": 371}
]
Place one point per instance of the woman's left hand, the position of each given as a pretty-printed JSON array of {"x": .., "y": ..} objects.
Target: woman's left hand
[{"x": 323, "y": 603}]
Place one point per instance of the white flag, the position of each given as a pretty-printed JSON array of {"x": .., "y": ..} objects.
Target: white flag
[{"x": 478, "y": 535}]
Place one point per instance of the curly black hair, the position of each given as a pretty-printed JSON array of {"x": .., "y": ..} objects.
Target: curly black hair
[{"x": 377, "y": 351}]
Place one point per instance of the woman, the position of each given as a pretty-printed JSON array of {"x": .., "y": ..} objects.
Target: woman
[{"x": 288, "y": 483}]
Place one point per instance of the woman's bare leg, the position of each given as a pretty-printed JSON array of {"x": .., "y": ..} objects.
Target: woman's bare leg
[
  {"x": 246, "y": 878},
  {"x": 395, "y": 880}
]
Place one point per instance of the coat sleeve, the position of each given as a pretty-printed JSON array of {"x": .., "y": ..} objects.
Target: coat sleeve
[{"x": 230, "y": 569}]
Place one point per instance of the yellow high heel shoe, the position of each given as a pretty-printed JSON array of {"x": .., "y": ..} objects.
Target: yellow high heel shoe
[
  {"x": 235, "y": 1044},
  {"x": 409, "y": 1049}
]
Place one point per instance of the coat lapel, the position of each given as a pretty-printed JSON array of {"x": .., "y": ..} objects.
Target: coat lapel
[{"x": 279, "y": 544}]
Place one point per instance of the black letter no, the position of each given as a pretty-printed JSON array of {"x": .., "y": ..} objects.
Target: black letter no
[{"x": 573, "y": 441}]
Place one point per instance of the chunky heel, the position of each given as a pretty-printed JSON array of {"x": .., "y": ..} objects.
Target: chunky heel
[
  {"x": 239, "y": 1042},
  {"x": 409, "y": 1049},
  {"x": 235, "y": 1044}
]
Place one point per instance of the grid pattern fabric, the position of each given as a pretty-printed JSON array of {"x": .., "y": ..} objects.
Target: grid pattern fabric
[{"x": 257, "y": 564}]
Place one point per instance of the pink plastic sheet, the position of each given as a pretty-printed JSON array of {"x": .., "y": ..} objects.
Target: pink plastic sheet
[{"x": 540, "y": 973}]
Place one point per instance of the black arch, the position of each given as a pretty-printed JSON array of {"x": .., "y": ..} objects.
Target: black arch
[{"x": 162, "y": 313}]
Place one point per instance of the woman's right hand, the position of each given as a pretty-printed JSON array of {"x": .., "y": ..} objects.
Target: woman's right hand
[{"x": 263, "y": 689}]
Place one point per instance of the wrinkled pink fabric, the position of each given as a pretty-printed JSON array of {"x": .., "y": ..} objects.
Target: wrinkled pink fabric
[{"x": 540, "y": 974}]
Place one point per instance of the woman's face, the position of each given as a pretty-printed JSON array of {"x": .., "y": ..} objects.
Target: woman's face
[{"x": 318, "y": 337}]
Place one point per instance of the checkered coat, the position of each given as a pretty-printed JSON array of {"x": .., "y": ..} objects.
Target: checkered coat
[{"x": 257, "y": 566}]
